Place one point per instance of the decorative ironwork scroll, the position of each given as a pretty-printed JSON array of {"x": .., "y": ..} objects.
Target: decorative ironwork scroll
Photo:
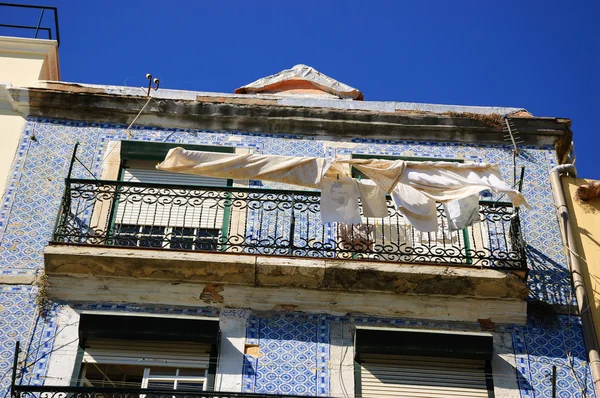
[{"x": 273, "y": 222}]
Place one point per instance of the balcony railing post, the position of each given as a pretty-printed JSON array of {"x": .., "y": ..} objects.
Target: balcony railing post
[
  {"x": 37, "y": 29},
  {"x": 292, "y": 229},
  {"x": 13, "y": 380},
  {"x": 63, "y": 212}
]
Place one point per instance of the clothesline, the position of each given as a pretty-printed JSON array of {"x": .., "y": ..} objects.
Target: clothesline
[{"x": 414, "y": 186}]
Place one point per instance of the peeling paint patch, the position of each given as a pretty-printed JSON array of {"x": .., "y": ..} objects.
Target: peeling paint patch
[
  {"x": 285, "y": 307},
  {"x": 211, "y": 294},
  {"x": 253, "y": 350}
]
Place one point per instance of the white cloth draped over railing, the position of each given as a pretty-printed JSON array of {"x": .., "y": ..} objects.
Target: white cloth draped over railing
[{"x": 414, "y": 186}]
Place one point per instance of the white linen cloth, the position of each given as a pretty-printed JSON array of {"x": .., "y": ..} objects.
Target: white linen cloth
[
  {"x": 462, "y": 213},
  {"x": 372, "y": 198},
  {"x": 443, "y": 181},
  {"x": 419, "y": 210},
  {"x": 339, "y": 201},
  {"x": 415, "y": 186},
  {"x": 304, "y": 171},
  {"x": 384, "y": 173}
]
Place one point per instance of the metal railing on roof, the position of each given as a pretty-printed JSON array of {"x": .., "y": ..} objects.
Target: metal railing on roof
[
  {"x": 37, "y": 28},
  {"x": 273, "y": 222}
]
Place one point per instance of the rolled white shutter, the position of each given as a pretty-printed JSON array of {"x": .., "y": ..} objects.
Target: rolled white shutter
[
  {"x": 420, "y": 377},
  {"x": 147, "y": 353},
  {"x": 162, "y": 211},
  {"x": 145, "y": 171}
]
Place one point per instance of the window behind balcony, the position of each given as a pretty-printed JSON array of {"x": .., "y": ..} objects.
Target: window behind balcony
[
  {"x": 171, "y": 210},
  {"x": 145, "y": 364},
  {"x": 394, "y": 233}
]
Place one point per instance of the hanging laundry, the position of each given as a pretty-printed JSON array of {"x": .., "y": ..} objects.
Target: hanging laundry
[
  {"x": 419, "y": 210},
  {"x": 443, "y": 181},
  {"x": 305, "y": 171},
  {"x": 415, "y": 186},
  {"x": 384, "y": 173},
  {"x": 339, "y": 201},
  {"x": 462, "y": 213},
  {"x": 302, "y": 171},
  {"x": 372, "y": 198}
]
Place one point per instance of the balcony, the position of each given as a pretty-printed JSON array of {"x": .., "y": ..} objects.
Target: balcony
[
  {"x": 272, "y": 223},
  {"x": 232, "y": 242},
  {"x": 22, "y": 391}
]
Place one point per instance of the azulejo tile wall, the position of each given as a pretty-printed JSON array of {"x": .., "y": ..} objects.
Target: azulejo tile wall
[
  {"x": 20, "y": 321},
  {"x": 34, "y": 192},
  {"x": 294, "y": 355},
  {"x": 541, "y": 345}
]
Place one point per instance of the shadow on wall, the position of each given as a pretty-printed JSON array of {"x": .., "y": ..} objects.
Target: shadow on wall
[
  {"x": 538, "y": 347},
  {"x": 548, "y": 281}
]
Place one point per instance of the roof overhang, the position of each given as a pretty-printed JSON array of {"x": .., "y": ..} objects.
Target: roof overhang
[{"x": 272, "y": 114}]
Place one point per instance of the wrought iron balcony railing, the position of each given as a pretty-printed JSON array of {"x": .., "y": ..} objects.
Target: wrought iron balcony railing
[
  {"x": 116, "y": 391},
  {"x": 32, "y": 13},
  {"x": 21, "y": 391},
  {"x": 272, "y": 222}
]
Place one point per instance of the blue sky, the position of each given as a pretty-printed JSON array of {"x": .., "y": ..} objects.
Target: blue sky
[{"x": 540, "y": 55}]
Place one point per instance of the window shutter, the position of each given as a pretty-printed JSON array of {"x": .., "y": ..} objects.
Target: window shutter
[
  {"x": 162, "y": 210},
  {"x": 147, "y": 353},
  {"x": 416, "y": 377},
  {"x": 146, "y": 171}
]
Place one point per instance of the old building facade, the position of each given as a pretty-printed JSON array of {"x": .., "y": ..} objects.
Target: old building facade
[{"x": 117, "y": 275}]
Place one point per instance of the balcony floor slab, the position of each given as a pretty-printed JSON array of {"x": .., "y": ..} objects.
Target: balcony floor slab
[{"x": 284, "y": 272}]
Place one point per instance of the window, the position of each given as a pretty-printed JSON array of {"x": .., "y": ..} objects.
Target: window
[
  {"x": 145, "y": 364},
  {"x": 413, "y": 363},
  {"x": 147, "y": 352},
  {"x": 181, "y": 217}
]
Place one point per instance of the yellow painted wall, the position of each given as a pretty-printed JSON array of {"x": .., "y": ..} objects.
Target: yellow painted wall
[
  {"x": 585, "y": 220},
  {"x": 22, "y": 63},
  {"x": 11, "y": 126},
  {"x": 21, "y": 69}
]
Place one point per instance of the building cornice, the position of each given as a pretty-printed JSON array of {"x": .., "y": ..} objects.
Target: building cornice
[
  {"x": 46, "y": 49},
  {"x": 267, "y": 115}
]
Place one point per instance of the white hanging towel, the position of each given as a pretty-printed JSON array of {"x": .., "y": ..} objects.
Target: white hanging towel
[
  {"x": 372, "y": 198},
  {"x": 418, "y": 209},
  {"x": 339, "y": 201},
  {"x": 462, "y": 213}
]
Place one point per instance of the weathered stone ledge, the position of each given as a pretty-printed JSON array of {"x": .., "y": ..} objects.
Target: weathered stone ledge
[{"x": 283, "y": 272}]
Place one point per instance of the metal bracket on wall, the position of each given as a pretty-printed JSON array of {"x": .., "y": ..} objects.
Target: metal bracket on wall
[{"x": 150, "y": 81}]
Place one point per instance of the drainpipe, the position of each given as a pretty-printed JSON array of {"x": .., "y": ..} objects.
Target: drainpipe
[{"x": 589, "y": 334}]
